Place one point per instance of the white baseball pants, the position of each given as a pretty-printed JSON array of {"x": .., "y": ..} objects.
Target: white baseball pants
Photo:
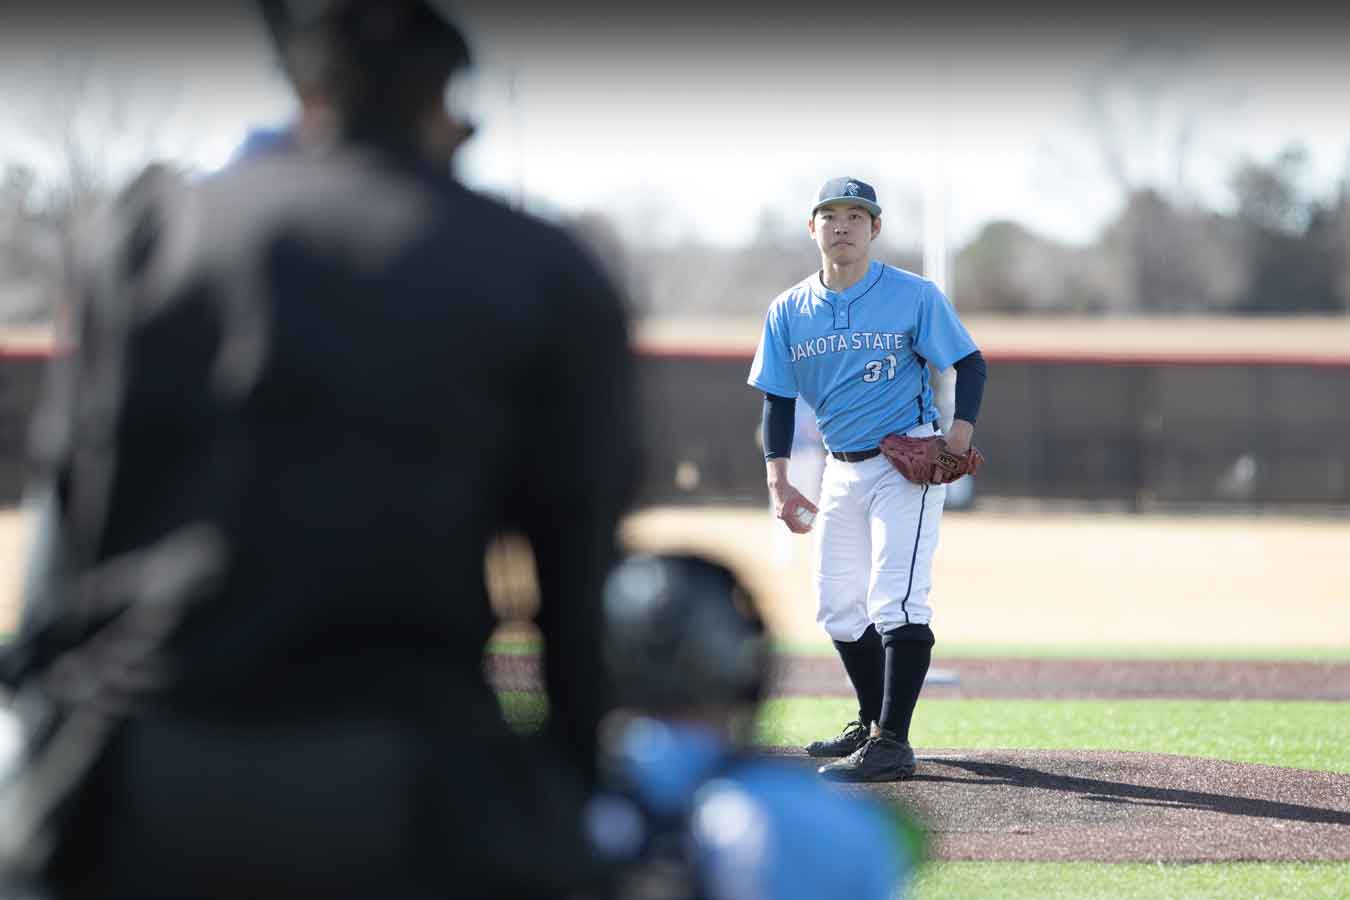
[{"x": 874, "y": 550}]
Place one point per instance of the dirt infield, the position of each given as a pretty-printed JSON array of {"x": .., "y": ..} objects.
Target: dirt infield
[
  {"x": 1011, "y": 575},
  {"x": 1007, "y": 574},
  {"x": 13, "y": 547},
  {"x": 1057, "y": 805}
]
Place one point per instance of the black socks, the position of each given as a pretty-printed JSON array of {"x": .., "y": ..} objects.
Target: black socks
[
  {"x": 864, "y": 660},
  {"x": 908, "y": 651}
]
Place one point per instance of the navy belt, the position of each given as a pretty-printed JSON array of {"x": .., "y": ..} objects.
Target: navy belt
[{"x": 855, "y": 455}]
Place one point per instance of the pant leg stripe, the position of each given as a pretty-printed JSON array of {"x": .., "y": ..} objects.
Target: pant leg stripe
[{"x": 914, "y": 557}]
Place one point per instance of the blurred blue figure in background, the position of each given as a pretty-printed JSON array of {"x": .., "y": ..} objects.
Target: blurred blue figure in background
[
  {"x": 689, "y": 812},
  {"x": 262, "y": 141}
]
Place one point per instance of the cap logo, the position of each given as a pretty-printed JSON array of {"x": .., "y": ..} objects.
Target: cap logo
[{"x": 851, "y": 189}]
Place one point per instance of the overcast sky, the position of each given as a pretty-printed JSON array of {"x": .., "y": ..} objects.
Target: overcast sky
[{"x": 698, "y": 122}]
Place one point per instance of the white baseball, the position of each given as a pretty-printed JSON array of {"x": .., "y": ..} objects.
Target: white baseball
[{"x": 805, "y": 516}]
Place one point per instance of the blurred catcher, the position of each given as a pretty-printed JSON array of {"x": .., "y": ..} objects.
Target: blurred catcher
[
  {"x": 303, "y": 397},
  {"x": 689, "y": 812}
]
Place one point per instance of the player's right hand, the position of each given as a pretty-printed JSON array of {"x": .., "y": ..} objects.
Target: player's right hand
[{"x": 797, "y": 513}]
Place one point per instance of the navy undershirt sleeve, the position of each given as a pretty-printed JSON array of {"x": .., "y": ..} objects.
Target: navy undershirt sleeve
[
  {"x": 780, "y": 420},
  {"x": 970, "y": 376}
]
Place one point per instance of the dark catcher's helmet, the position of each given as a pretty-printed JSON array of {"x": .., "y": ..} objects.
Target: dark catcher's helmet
[
  {"x": 378, "y": 61},
  {"x": 373, "y": 32},
  {"x": 681, "y": 632}
]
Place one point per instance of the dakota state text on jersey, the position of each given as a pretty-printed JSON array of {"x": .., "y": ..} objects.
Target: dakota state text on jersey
[{"x": 858, "y": 356}]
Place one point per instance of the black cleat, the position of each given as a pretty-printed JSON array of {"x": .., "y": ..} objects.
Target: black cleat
[
  {"x": 850, "y": 739},
  {"x": 881, "y": 758}
]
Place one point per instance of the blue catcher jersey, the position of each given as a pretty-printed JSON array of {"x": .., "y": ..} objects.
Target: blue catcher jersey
[
  {"x": 858, "y": 356},
  {"x": 795, "y": 837}
]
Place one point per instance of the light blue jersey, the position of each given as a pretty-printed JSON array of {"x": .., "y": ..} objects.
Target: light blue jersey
[
  {"x": 858, "y": 356},
  {"x": 795, "y": 837}
]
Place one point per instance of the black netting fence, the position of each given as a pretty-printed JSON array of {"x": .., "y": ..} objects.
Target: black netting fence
[{"x": 1142, "y": 434}]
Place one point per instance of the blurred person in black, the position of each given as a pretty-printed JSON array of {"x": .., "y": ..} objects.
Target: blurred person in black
[{"x": 304, "y": 395}]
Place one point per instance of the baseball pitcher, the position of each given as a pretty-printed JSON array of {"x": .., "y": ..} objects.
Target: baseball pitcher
[{"x": 854, "y": 341}]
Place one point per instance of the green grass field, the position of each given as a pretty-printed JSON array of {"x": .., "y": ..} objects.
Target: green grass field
[
  {"x": 1298, "y": 734},
  {"x": 1128, "y": 881},
  {"x": 1309, "y": 735}
]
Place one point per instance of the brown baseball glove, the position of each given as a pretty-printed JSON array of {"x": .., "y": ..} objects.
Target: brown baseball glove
[{"x": 927, "y": 460}]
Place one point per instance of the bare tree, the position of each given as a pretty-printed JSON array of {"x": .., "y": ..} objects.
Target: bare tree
[
  {"x": 90, "y": 126},
  {"x": 1145, "y": 108},
  {"x": 27, "y": 247},
  {"x": 1343, "y": 219},
  {"x": 1142, "y": 107},
  {"x": 1290, "y": 235}
]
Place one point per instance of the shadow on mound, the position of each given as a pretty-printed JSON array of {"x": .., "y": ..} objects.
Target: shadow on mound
[
  {"x": 1121, "y": 807},
  {"x": 1122, "y": 792}
]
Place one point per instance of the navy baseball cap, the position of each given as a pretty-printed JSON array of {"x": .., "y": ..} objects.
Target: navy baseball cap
[{"x": 848, "y": 190}]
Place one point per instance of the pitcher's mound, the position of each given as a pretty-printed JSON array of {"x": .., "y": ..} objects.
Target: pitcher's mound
[{"x": 1106, "y": 806}]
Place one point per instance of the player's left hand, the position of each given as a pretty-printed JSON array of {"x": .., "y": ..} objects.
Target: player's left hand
[
  {"x": 959, "y": 436},
  {"x": 968, "y": 458},
  {"x": 950, "y": 465}
]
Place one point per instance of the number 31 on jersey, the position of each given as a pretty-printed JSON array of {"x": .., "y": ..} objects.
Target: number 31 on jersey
[{"x": 875, "y": 367}]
